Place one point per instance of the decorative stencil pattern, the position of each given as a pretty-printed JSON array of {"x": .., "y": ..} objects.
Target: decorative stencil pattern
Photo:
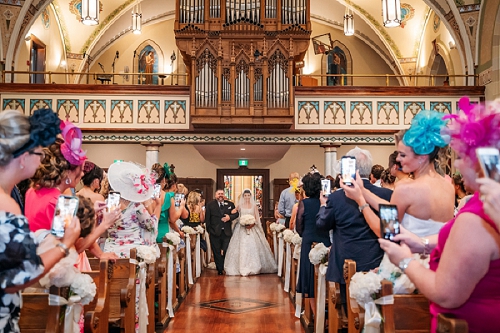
[
  {"x": 149, "y": 112},
  {"x": 388, "y": 113},
  {"x": 68, "y": 109},
  {"x": 175, "y": 112},
  {"x": 436, "y": 22},
  {"x": 45, "y": 18},
  {"x": 121, "y": 111},
  {"x": 407, "y": 13},
  {"x": 308, "y": 112},
  {"x": 444, "y": 107},
  {"x": 14, "y": 104},
  {"x": 94, "y": 111},
  {"x": 411, "y": 109},
  {"x": 335, "y": 113},
  {"x": 361, "y": 113},
  {"x": 36, "y": 104}
]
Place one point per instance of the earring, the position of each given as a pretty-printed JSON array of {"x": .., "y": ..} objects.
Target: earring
[{"x": 67, "y": 181}]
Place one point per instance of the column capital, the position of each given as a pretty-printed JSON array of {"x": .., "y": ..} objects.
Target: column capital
[
  {"x": 152, "y": 145},
  {"x": 331, "y": 146}
]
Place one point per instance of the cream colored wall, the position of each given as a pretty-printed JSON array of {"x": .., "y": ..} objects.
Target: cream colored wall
[
  {"x": 189, "y": 163},
  {"x": 54, "y": 48},
  {"x": 365, "y": 60}
]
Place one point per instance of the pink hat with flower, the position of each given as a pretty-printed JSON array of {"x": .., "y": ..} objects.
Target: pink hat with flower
[{"x": 72, "y": 145}]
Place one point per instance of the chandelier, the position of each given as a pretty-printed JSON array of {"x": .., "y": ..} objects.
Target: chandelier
[
  {"x": 90, "y": 12},
  {"x": 391, "y": 11},
  {"x": 348, "y": 23},
  {"x": 137, "y": 19}
]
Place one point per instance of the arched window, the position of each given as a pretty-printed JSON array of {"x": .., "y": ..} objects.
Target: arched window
[{"x": 337, "y": 61}]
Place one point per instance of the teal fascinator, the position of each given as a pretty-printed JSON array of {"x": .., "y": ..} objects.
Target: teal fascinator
[
  {"x": 424, "y": 134},
  {"x": 166, "y": 167}
]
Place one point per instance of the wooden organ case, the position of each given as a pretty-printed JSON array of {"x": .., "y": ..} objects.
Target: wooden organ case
[{"x": 241, "y": 58}]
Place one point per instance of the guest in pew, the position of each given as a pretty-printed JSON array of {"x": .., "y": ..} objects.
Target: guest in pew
[
  {"x": 299, "y": 195},
  {"x": 307, "y": 210},
  {"x": 135, "y": 185},
  {"x": 61, "y": 169},
  {"x": 464, "y": 275},
  {"x": 196, "y": 211},
  {"x": 21, "y": 142},
  {"x": 490, "y": 194},
  {"x": 92, "y": 178},
  {"x": 352, "y": 236}
]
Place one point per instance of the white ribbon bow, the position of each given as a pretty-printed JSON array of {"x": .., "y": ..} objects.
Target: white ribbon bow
[
  {"x": 73, "y": 311},
  {"x": 320, "y": 299},
  {"x": 373, "y": 318},
  {"x": 188, "y": 259},
  {"x": 143, "y": 303},
  {"x": 209, "y": 247},
  {"x": 275, "y": 246},
  {"x": 288, "y": 266},
  {"x": 280, "y": 257},
  {"x": 170, "y": 278},
  {"x": 198, "y": 256},
  {"x": 298, "y": 296}
]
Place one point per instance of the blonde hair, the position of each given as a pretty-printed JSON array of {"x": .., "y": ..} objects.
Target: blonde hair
[
  {"x": 14, "y": 134},
  {"x": 182, "y": 189},
  {"x": 105, "y": 187},
  {"x": 193, "y": 200}
]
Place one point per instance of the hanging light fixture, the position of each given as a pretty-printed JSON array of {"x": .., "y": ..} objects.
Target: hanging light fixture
[
  {"x": 90, "y": 12},
  {"x": 391, "y": 11},
  {"x": 137, "y": 19},
  {"x": 348, "y": 22}
]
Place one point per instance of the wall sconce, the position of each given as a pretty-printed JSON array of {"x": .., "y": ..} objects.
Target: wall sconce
[
  {"x": 137, "y": 19},
  {"x": 391, "y": 12},
  {"x": 90, "y": 12},
  {"x": 348, "y": 23}
]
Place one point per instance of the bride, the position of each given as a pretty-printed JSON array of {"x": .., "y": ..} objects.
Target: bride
[{"x": 248, "y": 252}]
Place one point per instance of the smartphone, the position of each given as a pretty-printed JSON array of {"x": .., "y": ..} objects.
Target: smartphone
[
  {"x": 113, "y": 201},
  {"x": 389, "y": 223},
  {"x": 325, "y": 187},
  {"x": 66, "y": 209},
  {"x": 490, "y": 162},
  {"x": 348, "y": 169},
  {"x": 177, "y": 199},
  {"x": 156, "y": 191}
]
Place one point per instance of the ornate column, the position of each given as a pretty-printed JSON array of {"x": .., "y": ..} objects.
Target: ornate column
[
  {"x": 330, "y": 157},
  {"x": 152, "y": 152}
]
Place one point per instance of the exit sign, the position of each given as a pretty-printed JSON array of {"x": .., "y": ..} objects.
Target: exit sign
[{"x": 243, "y": 162}]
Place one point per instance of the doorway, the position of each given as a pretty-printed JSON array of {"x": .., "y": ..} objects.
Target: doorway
[
  {"x": 234, "y": 181},
  {"x": 37, "y": 60}
]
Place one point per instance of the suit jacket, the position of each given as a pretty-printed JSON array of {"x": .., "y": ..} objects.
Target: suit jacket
[
  {"x": 352, "y": 237},
  {"x": 213, "y": 215}
]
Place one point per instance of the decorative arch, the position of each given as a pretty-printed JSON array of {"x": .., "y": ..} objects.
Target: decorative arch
[
  {"x": 337, "y": 61},
  {"x": 438, "y": 60},
  {"x": 149, "y": 59}
]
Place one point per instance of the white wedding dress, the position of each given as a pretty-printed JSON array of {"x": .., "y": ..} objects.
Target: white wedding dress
[{"x": 248, "y": 252}]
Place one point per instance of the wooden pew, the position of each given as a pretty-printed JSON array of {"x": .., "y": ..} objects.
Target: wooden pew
[
  {"x": 293, "y": 275},
  {"x": 181, "y": 278},
  {"x": 193, "y": 257},
  {"x": 150, "y": 296},
  {"x": 336, "y": 317},
  {"x": 409, "y": 313},
  {"x": 97, "y": 312},
  {"x": 122, "y": 292},
  {"x": 449, "y": 324},
  {"x": 36, "y": 314},
  {"x": 161, "y": 316}
]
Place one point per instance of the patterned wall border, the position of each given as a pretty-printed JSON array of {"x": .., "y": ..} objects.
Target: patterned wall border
[{"x": 258, "y": 139}]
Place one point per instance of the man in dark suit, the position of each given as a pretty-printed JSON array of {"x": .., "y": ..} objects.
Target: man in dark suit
[
  {"x": 352, "y": 236},
  {"x": 218, "y": 219}
]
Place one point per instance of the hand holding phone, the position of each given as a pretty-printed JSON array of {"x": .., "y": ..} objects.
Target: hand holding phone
[
  {"x": 389, "y": 221},
  {"x": 489, "y": 158},
  {"x": 156, "y": 191},
  {"x": 113, "y": 201},
  {"x": 178, "y": 198},
  {"x": 66, "y": 208},
  {"x": 325, "y": 187},
  {"x": 348, "y": 169}
]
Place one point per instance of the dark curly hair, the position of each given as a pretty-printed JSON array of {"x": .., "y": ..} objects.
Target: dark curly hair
[
  {"x": 312, "y": 185},
  {"x": 91, "y": 172},
  {"x": 53, "y": 168},
  {"x": 386, "y": 177},
  {"x": 86, "y": 214},
  {"x": 171, "y": 178}
]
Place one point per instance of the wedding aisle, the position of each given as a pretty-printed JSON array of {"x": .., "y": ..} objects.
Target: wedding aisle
[{"x": 220, "y": 303}]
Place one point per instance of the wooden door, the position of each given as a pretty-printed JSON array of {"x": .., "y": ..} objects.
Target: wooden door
[
  {"x": 279, "y": 184},
  {"x": 37, "y": 60}
]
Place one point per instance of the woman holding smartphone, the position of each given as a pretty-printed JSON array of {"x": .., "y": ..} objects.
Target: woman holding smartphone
[
  {"x": 21, "y": 142},
  {"x": 464, "y": 272}
]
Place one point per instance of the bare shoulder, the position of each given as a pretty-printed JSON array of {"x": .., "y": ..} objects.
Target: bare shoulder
[
  {"x": 8, "y": 204},
  {"x": 472, "y": 231}
]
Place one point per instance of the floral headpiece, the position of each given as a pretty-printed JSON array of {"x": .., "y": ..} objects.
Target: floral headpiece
[
  {"x": 44, "y": 127},
  {"x": 143, "y": 181},
  {"x": 476, "y": 126},
  {"x": 166, "y": 167},
  {"x": 88, "y": 167},
  {"x": 424, "y": 134},
  {"x": 72, "y": 145}
]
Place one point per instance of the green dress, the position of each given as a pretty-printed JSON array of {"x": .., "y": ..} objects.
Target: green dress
[{"x": 163, "y": 227}]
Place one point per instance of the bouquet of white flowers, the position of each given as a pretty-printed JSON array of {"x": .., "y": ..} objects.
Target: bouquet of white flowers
[
  {"x": 247, "y": 219},
  {"x": 272, "y": 226},
  {"x": 200, "y": 230},
  {"x": 279, "y": 228},
  {"x": 173, "y": 238},
  {"x": 63, "y": 273},
  {"x": 146, "y": 254},
  {"x": 296, "y": 239},
  {"x": 84, "y": 286},
  {"x": 188, "y": 230},
  {"x": 318, "y": 254},
  {"x": 288, "y": 235},
  {"x": 364, "y": 286}
]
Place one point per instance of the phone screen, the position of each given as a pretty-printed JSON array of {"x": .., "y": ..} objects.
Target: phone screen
[
  {"x": 156, "y": 191},
  {"x": 348, "y": 169},
  {"x": 325, "y": 187},
  {"x": 66, "y": 208},
  {"x": 177, "y": 199},
  {"x": 113, "y": 201},
  {"x": 389, "y": 223},
  {"x": 490, "y": 162}
]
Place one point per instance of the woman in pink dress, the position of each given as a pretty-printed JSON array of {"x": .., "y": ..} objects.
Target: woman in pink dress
[{"x": 464, "y": 275}]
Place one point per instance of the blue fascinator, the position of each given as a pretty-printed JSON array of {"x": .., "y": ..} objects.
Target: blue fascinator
[{"x": 424, "y": 134}]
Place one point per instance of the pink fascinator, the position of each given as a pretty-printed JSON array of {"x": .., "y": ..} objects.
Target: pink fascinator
[
  {"x": 475, "y": 126},
  {"x": 72, "y": 146}
]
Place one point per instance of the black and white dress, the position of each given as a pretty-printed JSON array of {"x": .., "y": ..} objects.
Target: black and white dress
[{"x": 19, "y": 264}]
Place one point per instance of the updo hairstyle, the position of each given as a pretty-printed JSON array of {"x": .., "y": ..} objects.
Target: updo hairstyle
[
  {"x": 14, "y": 134},
  {"x": 86, "y": 215},
  {"x": 91, "y": 172}
]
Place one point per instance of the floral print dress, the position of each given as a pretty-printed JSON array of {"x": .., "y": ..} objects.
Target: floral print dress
[
  {"x": 135, "y": 228},
  {"x": 19, "y": 264}
]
